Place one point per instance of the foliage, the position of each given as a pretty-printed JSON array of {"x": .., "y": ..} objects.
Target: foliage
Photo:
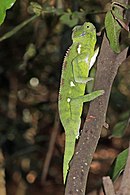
[
  {"x": 119, "y": 128},
  {"x": 114, "y": 21},
  {"x": 113, "y": 31},
  {"x": 119, "y": 164},
  {"x": 29, "y": 83},
  {"x": 4, "y": 5}
]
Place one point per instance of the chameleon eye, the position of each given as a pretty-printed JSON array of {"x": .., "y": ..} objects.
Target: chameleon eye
[{"x": 87, "y": 26}]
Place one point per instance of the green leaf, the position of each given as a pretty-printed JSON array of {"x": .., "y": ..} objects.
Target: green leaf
[
  {"x": 36, "y": 8},
  {"x": 2, "y": 12},
  {"x": 119, "y": 16},
  {"x": 113, "y": 30},
  {"x": 59, "y": 11},
  {"x": 125, "y": 115},
  {"x": 70, "y": 19},
  {"x": 119, "y": 164},
  {"x": 117, "y": 12},
  {"x": 4, "y": 5},
  {"x": 119, "y": 129},
  {"x": 9, "y": 3}
]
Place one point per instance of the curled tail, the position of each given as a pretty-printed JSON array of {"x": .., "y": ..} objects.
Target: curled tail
[{"x": 69, "y": 152}]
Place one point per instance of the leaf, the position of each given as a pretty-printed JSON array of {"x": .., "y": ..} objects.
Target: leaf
[
  {"x": 113, "y": 30},
  {"x": 119, "y": 164},
  {"x": 36, "y": 8},
  {"x": 59, "y": 11},
  {"x": 4, "y": 5},
  {"x": 119, "y": 129},
  {"x": 119, "y": 16},
  {"x": 70, "y": 19},
  {"x": 9, "y": 3},
  {"x": 125, "y": 116},
  {"x": 117, "y": 12}
]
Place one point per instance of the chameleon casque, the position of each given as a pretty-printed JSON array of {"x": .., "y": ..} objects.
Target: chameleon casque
[{"x": 78, "y": 61}]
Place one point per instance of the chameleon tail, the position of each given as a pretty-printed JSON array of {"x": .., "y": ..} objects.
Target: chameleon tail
[{"x": 69, "y": 151}]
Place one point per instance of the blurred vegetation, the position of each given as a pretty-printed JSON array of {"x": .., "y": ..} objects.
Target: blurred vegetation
[{"x": 30, "y": 67}]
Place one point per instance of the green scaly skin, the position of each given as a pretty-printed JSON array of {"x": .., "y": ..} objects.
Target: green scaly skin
[{"x": 77, "y": 63}]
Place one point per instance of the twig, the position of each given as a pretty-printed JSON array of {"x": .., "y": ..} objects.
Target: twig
[
  {"x": 17, "y": 28},
  {"x": 50, "y": 150},
  {"x": 108, "y": 186},
  {"x": 2, "y": 175},
  {"x": 12, "y": 103}
]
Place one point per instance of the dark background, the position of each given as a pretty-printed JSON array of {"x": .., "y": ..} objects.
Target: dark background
[{"x": 29, "y": 128}]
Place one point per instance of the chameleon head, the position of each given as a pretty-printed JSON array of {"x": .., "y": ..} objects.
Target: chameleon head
[{"x": 81, "y": 32}]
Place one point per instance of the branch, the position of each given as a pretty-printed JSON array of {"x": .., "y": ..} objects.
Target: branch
[
  {"x": 17, "y": 28},
  {"x": 2, "y": 175},
  {"x": 108, "y": 186},
  {"x": 107, "y": 67},
  {"x": 50, "y": 150}
]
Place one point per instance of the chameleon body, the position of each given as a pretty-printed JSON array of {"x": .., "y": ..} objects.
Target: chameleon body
[{"x": 78, "y": 60}]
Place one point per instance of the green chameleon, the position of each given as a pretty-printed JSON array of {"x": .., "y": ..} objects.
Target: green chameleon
[{"x": 78, "y": 60}]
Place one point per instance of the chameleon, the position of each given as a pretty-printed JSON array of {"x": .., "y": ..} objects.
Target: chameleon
[{"x": 77, "y": 63}]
